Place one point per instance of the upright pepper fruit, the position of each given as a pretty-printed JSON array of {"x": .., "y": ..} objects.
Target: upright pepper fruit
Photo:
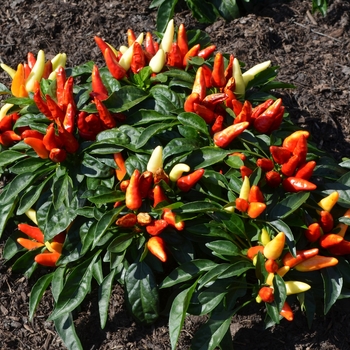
[
  {"x": 274, "y": 248},
  {"x": 133, "y": 198},
  {"x": 156, "y": 246}
]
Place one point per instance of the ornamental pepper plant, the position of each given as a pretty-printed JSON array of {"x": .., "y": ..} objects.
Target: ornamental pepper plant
[{"x": 174, "y": 171}]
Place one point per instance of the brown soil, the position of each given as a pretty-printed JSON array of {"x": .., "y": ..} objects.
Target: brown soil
[{"x": 313, "y": 53}]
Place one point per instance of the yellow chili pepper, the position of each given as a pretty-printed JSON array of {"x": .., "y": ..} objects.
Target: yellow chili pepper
[
  {"x": 295, "y": 287},
  {"x": 274, "y": 248},
  {"x": 327, "y": 203}
]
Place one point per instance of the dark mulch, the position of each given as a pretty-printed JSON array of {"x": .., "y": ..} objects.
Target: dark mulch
[{"x": 313, "y": 53}]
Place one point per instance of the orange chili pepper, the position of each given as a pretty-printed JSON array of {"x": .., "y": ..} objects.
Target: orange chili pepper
[
  {"x": 98, "y": 88},
  {"x": 29, "y": 244},
  {"x": 226, "y": 136},
  {"x": 119, "y": 161},
  {"x": 38, "y": 147},
  {"x": 218, "y": 73},
  {"x": 156, "y": 246},
  {"x": 301, "y": 255},
  {"x": 133, "y": 198}
]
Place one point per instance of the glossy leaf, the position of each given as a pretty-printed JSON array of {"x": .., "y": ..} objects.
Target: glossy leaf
[
  {"x": 104, "y": 294},
  {"x": 64, "y": 326},
  {"x": 333, "y": 284}
]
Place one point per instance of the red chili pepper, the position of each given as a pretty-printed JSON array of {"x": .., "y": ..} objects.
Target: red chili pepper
[
  {"x": 38, "y": 147},
  {"x": 119, "y": 161},
  {"x": 146, "y": 182},
  {"x": 29, "y": 244},
  {"x": 280, "y": 155},
  {"x": 149, "y": 47},
  {"x": 207, "y": 52},
  {"x": 253, "y": 251},
  {"x": 245, "y": 113},
  {"x": 236, "y": 106},
  {"x": 218, "y": 73},
  {"x": 117, "y": 71},
  {"x": 26, "y": 72},
  {"x": 47, "y": 69},
  {"x": 217, "y": 125},
  {"x": 60, "y": 81},
  {"x": 32, "y": 133},
  {"x": 159, "y": 195},
  {"x": 316, "y": 262},
  {"x": 207, "y": 76},
  {"x": 6, "y": 123},
  {"x": 190, "y": 101},
  {"x": 242, "y": 204},
  {"x": 255, "y": 194},
  {"x": 306, "y": 170},
  {"x": 69, "y": 118},
  {"x": 71, "y": 144},
  {"x": 301, "y": 255},
  {"x": 291, "y": 141},
  {"x": 103, "y": 46},
  {"x": 40, "y": 103},
  {"x": 50, "y": 139},
  {"x": 47, "y": 259},
  {"x": 170, "y": 217},
  {"x": 187, "y": 182},
  {"x": 330, "y": 240},
  {"x": 68, "y": 96},
  {"x": 225, "y": 137},
  {"x": 58, "y": 155},
  {"x": 156, "y": 246},
  {"x": 255, "y": 209},
  {"x": 131, "y": 37},
  {"x": 273, "y": 178},
  {"x": 160, "y": 175},
  {"x": 288, "y": 168},
  {"x": 266, "y": 294},
  {"x": 342, "y": 248},
  {"x": 287, "y": 312},
  {"x": 182, "y": 40},
  {"x": 192, "y": 52},
  {"x": 326, "y": 221},
  {"x": 133, "y": 199},
  {"x": 301, "y": 149},
  {"x": 229, "y": 68},
  {"x": 104, "y": 114},
  {"x": 199, "y": 84},
  {"x": 56, "y": 111},
  {"x": 31, "y": 60},
  {"x": 265, "y": 164},
  {"x": 245, "y": 171},
  {"x": 32, "y": 232},
  {"x": 156, "y": 227},
  {"x": 127, "y": 220},
  {"x": 204, "y": 112},
  {"x": 265, "y": 120},
  {"x": 294, "y": 184},
  {"x": 174, "y": 57},
  {"x": 138, "y": 60},
  {"x": 98, "y": 88},
  {"x": 271, "y": 266},
  {"x": 211, "y": 101},
  {"x": 277, "y": 120},
  {"x": 94, "y": 123},
  {"x": 313, "y": 232}
]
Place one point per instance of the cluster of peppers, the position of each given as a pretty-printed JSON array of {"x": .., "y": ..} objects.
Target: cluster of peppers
[
  {"x": 148, "y": 186},
  {"x": 276, "y": 262},
  {"x": 24, "y": 81},
  {"x": 325, "y": 232},
  {"x": 52, "y": 252}
]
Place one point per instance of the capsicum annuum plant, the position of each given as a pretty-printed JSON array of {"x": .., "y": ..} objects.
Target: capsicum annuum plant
[{"x": 172, "y": 169}]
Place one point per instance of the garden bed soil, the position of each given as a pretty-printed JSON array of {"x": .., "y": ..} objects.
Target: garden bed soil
[{"x": 313, "y": 53}]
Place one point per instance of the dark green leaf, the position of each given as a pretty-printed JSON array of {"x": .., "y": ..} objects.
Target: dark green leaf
[
  {"x": 288, "y": 205},
  {"x": 141, "y": 292},
  {"x": 165, "y": 14},
  {"x": 282, "y": 226},
  {"x": 152, "y": 130},
  {"x": 76, "y": 287},
  {"x": 178, "y": 313},
  {"x": 146, "y": 116},
  {"x": 166, "y": 100},
  {"x": 228, "y": 9},
  {"x": 187, "y": 271},
  {"x": 6, "y": 210},
  {"x": 104, "y": 295},
  {"x": 57, "y": 281},
  {"x": 202, "y": 10},
  {"x": 37, "y": 292},
  {"x": 333, "y": 284},
  {"x": 193, "y": 120},
  {"x": 7, "y": 157},
  {"x": 64, "y": 326}
]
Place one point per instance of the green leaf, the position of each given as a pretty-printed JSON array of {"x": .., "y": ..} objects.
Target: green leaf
[
  {"x": 104, "y": 295},
  {"x": 9, "y": 156},
  {"x": 193, "y": 120},
  {"x": 333, "y": 284},
  {"x": 282, "y": 226},
  {"x": 151, "y": 131},
  {"x": 57, "y": 281},
  {"x": 142, "y": 293},
  {"x": 198, "y": 207},
  {"x": 165, "y": 13},
  {"x": 11, "y": 246},
  {"x": 228, "y": 9},
  {"x": 26, "y": 264},
  {"x": 223, "y": 249},
  {"x": 37, "y": 292},
  {"x": 178, "y": 313},
  {"x": 104, "y": 223},
  {"x": 187, "y": 271},
  {"x": 320, "y": 5},
  {"x": 202, "y": 10},
  {"x": 146, "y": 116},
  {"x": 64, "y": 326},
  {"x": 121, "y": 243},
  {"x": 29, "y": 165},
  {"x": 166, "y": 100},
  {"x": 179, "y": 146},
  {"x": 4, "y": 90},
  {"x": 288, "y": 205},
  {"x": 93, "y": 167},
  {"x": 77, "y": 285},
  {"x": 6, "y": 210},
  {"x": 204, "y": 157},
  {"x": 210, "y": 335}
]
